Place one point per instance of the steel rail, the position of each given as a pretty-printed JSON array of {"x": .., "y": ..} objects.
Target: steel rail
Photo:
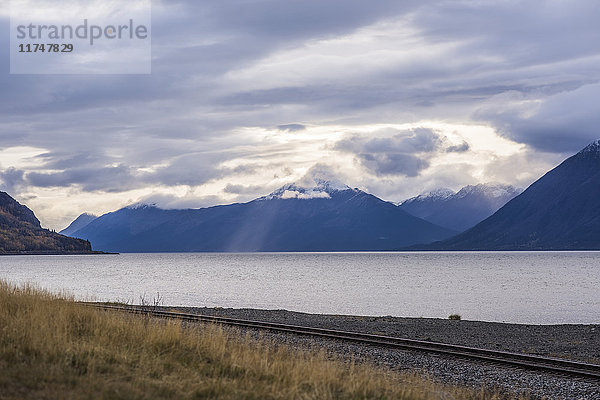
[{"x": 524, "y": 361}]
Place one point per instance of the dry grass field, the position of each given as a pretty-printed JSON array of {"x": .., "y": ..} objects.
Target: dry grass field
[{"x": 54, "y": 348}]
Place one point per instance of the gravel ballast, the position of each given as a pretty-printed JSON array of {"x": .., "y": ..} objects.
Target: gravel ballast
[{"x": 577, "y": 342}]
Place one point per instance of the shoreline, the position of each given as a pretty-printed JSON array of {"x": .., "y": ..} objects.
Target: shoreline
[
  {"x": 57, "y": 253},
  {"x": 573, "y": 341}
]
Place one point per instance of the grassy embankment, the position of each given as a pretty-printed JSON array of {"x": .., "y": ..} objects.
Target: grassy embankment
[{"x": 51, "y": 347}]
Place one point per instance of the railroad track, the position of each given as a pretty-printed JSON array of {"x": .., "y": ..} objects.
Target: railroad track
[{"x": 518, "y": 360}]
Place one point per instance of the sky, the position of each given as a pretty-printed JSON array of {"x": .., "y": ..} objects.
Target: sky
[{"x": 394, "y": 97}]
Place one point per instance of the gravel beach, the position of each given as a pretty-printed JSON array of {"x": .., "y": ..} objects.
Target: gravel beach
[{"x": 578, "y": 342}]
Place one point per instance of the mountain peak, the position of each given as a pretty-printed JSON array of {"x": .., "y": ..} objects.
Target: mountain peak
[
  {"x": 559, "y": 211},
  {"x": 330, "y": 185},
  {"x": 78, "y": 223},
  {"x": 492, "y": 190},
  {"x": 591, "y": 149},
  {"x": 462, "y": 210},
  {"x": 21, "y": 233},
  {"x": 14, "y": 209},
  {"x": 143, "y": 206},
  {"x": 441, "y": 193},
  {"x": 322, "y": 189},
  {"x": 337, "y": 219}
]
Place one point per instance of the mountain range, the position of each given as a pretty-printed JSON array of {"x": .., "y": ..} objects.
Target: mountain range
[
  {"x": 326, "y": 217},
  {"x": 21, "y": 232},
  {"x": 460, "y": 210},
  {"x": 559, "y": 211}
]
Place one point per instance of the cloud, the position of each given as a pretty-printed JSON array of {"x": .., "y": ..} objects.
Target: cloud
[
  {"x": 459, "y": 148},
  {"x": 243, "y": 189},
  {"x": 169, "y": 201},
  {"x": 404, "y": 153},
  {"x": 393, "y": 163},
  {"x": 229, "y": 76},
  {"x": 190, "y": 169},
  {"x": 110, "y": 179},
  {"x": 291, "y": 127},
  {"x": 85, "y": 172},
  {"x": 12, "y": 179},
  {"x": 563, "y": 122}
]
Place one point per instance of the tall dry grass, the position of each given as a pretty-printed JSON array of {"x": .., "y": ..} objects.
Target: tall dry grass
[{"x": 52, "y": 347}]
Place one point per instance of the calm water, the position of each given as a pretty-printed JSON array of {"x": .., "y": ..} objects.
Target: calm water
[{"x": 547, "y": 288}]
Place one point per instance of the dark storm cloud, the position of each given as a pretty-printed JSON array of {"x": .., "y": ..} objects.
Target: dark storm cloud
[
  {"x": 89, "y": 173},
  {"x": 564, "y": 122},
  {"x": 110, "y": 179},
  {"x": 189, "y": 170},
  {"x": 405, "y": 153},
  {"x": 393, "y": 163}
]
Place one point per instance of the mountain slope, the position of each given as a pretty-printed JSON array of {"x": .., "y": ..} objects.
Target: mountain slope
[
  {"x": 462, "y": 210},
  {"x": 78, "y": 223},
  {"x": 324, "y": 218},
  {"x": 560, "y": 211},
  {"x": 21, "y": 232}
]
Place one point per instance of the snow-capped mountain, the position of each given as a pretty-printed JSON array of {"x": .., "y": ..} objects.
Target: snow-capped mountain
[
  {"x": 325, "y": 217},
  {"x": 560, "y": 211},
  {"x": 461, "y": 210},
  {"x": 437, "y": 194},
  {"x": 322, "y": 189}
]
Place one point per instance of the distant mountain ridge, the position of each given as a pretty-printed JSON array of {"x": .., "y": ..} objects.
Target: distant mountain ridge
[
  {"x": 461, "y": 210},
  {"x": 325, "y": 217},
  {"x": 559, "y": 211},
  {"x": 78, "y": 223},
  {"x": 21, "y": 232}
]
